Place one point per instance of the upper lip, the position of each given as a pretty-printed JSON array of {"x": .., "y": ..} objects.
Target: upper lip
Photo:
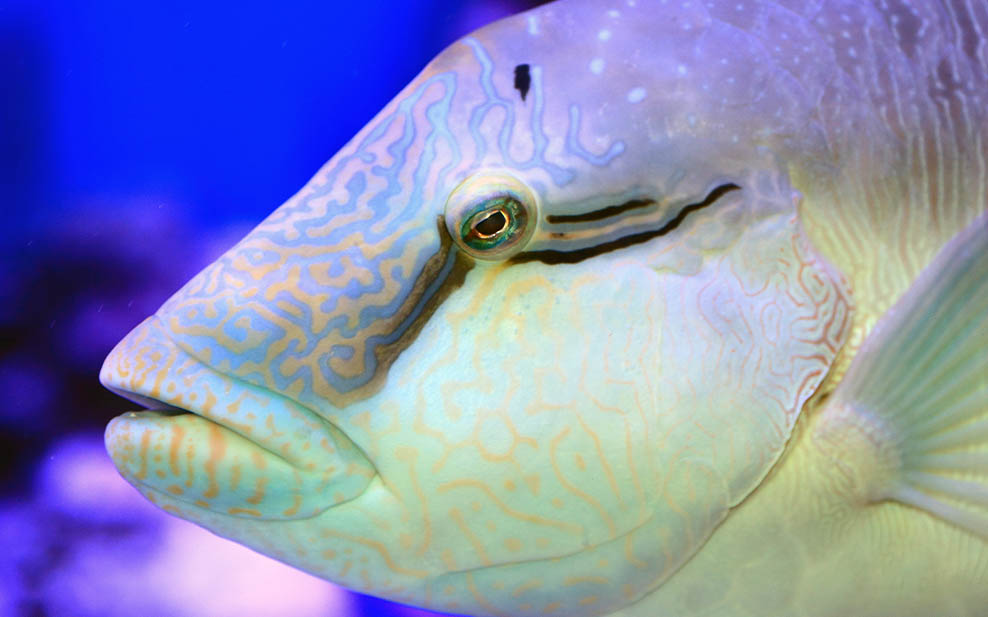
[
  {"x": 150, "y": 368},
  {"x": 153, "y": 370}
]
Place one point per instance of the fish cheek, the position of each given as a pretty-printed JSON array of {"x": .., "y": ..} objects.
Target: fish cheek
[
  {"x": 533, "y": 441},
  {"x": 512, "y": 428}
]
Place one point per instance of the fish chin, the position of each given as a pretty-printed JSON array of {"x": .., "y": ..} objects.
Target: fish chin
[{"x": 220, "y": 443}]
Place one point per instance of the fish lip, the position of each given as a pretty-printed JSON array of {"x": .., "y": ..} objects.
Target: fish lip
[
  {"x": 163, "y": 407},
  {"x": 152, "y": 398},
  {"x": 313, "y": 464},
  {"x": 140, "y": 364}
]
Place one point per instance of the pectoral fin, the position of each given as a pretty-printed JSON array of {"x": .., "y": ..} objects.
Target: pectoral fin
[{"x": 919, "y": 387}]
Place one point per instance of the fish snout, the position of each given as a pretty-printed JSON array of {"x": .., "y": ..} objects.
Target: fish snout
[{"x": 220, "y": 443}]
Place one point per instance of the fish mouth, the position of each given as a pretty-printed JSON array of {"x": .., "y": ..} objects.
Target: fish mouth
[{"x": 218, "y": 442}]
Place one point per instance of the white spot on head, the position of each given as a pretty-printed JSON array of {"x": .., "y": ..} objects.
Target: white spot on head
[
  {"x": 533, "y": 25},
  {"x": 597, "y": 66},
  {"x": 681, "y": 69},
  {"x": 604, "y": 35},
  {"x": 613, "y": 14},
  {"x": 636, "y": 95}
]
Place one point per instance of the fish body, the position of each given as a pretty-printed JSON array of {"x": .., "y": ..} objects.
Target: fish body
[{"x": 645, "y": 309}]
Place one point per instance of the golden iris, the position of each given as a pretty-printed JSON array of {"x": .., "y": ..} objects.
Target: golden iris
[{"x": 491, "y": 216}]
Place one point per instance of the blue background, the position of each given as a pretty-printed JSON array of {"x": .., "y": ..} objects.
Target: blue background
[{"x": 138, "y": 140}]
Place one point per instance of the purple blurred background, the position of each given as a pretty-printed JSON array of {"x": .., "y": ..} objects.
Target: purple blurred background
[{"x": 138, "y": 141}]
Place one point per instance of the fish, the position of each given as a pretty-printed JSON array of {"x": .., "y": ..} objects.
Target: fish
[{"x": 629, "y": 308}]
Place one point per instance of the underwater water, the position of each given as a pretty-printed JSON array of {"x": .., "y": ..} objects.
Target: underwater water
[{"x": 137, "y": 143}]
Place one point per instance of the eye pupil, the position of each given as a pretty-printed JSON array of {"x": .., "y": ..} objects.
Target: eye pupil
[{"x": 491, "y": 224}]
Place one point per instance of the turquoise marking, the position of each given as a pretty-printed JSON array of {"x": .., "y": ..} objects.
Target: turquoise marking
[
  {"x": 573, "y": 142},
  {"x": 437, "y": 113},
  {"x": 559, "y": 175}
]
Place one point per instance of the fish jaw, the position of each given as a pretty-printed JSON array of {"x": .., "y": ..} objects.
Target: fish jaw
[{"x": 220, "y": 443}]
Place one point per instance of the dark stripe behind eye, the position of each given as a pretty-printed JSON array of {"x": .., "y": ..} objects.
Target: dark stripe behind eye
[
  {"x": 603, "y": 213},
  {"x": 571, "y": 257}
]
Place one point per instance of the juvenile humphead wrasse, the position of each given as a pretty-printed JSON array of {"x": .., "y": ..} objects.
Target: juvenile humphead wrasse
[{"x": 633, "y": 308}]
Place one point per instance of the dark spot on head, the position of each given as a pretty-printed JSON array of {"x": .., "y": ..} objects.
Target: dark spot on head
[{"x": 523, "y": 80}]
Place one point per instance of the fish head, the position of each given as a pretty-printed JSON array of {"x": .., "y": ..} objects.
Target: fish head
[{"x": 517, "y": 347}]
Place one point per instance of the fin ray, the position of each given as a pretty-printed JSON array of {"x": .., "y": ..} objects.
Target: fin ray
[
  {"x": 958, "y": 516},
  {"x": 966, "y": 490},
  {"x": 921, "y": 378},
  {"x": 971, "y": 434},
  {"x": 966, "y": 461},
  {"x": 954, "y": 406}
]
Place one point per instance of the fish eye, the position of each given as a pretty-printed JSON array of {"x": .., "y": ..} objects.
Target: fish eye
[{"x": 491, "y": 216}]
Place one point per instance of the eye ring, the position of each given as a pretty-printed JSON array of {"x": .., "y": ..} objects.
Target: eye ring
[{"x": 491, "y": 216}]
